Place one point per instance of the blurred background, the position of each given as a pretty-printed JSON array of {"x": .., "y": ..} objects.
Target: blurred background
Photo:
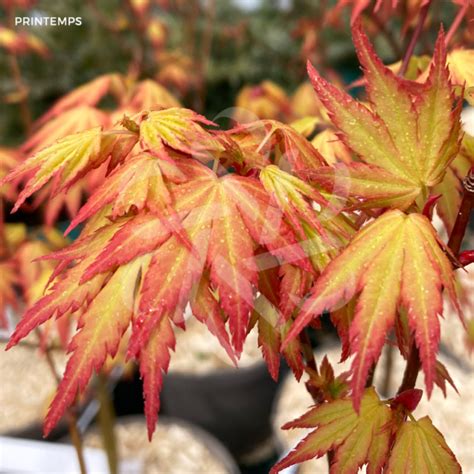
[
  {"x": 231, "y": 60},
  {"x": 204, "y": 52}
]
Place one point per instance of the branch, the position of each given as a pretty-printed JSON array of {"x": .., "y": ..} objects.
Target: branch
[
  {"x": 462, "y": 219},
  {"x": 414, "y": 39},
  {"x": 455, "y": 24}
]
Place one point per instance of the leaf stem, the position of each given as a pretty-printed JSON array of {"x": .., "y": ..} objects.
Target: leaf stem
[
  {"x": 76, "y": 440},
  {"x": 411, "y": 370},
  {"x": 415, "y": 37},
  {"x": 106, "y": 422},
  {"x": 455, "y": 24},
  {"x": 307, "y": 350},
  {"x": 380, "y": 25},
  {"x": 74, "y": 432},
  {"x": 18, "y": 80},
  {"x": 462, "y": 219},
  {"x": 387, "y": 371}
]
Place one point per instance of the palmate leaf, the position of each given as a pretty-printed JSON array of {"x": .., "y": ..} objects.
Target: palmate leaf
[
  {"x": 66, "y": 161},
  {"x": 225, "y": 217},
  {"x": 408, "y": 136},
  {"x": 292, "y": 195},
  {"x": 89, "y": 94},
  {"x": 7, "y": 289},
  {"x": 72, "y": 121},
  {"x": 180, "y": 129},
  {"x": 420, "y": 447},
  {"x": 366, "y": 438},
  {"x": 451, "y": 188},
  {"x": 293, "y": 152},
  {"x": 395, "y": 261},
  {"x": 101, "y": 328},
  {"x": 228, "y": 221},
  {"x": 137, "y": 184},
  {"x": 356, "y": 439}
]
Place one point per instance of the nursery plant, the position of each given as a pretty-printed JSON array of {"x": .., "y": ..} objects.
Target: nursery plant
[{"x": 254, "y": 227}]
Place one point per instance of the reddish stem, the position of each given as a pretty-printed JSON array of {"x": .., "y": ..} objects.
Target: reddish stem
[
  {"x": 462, "y": 219},
  {"x": 414, "y": 39},
  {"x": 411, "y": 370},
  {"x": 455, "y": 24}
]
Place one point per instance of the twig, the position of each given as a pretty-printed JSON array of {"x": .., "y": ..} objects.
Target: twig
[
  {"x": 414, "y": 39},
  {"x": 455, "y": 24},
  {"x": 411, "y": 370},
  {"x": 18, "y": 80},
  {"x": 394, "y": 46},
  {"x": 308, "y": 354},
  {"x": 387, "y": 371},
  {"x": 205, "y": 54},
  {"x": 106, "y": 423},
  {"x": 74, "y": 433},
  {"x": 462, "y": 219}
]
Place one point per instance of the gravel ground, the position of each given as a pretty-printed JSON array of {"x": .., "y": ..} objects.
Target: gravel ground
[
  {"x": 27, "y": 386},
  {"x": 175, "y": 448}
]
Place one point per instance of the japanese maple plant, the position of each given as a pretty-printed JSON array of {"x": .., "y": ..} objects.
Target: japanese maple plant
[{"x": 252, "y": 227}]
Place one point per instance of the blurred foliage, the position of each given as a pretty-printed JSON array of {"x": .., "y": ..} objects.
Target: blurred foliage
[{"x": 214, "y": 47}]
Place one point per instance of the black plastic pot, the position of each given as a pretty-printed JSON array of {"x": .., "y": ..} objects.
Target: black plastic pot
[{"x": 234, "y": 405}]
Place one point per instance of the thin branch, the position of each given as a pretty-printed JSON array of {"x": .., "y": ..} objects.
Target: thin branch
[
  {"x": 411, "y": 370},
  {"x": 387, "y": 371},
  {"x": 20, "y": 85},
  {"x": 387, "y": 34},
  {"x": 107, "y": 422},
  {"x": 74, "y": 432},
  {"x": 307, "y": 349},
  {"x": 455, "y": 24},
  {"x": 415, "y": 37},
  {"x": 462, "y": 219}
]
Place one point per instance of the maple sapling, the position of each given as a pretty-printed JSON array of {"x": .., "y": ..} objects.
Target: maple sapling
[{"x": 253, "y": 227}]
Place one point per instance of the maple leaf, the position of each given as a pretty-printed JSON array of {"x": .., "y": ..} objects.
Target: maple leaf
[
  {"x": 73, "y": 120},
  {"x": 101, "y": 327},
  {"x": 9, "y": 158},
  {"x": 139, "y": 183},
  {"x": 89, "y": 94},
  {"x": 154, "y": 360},
  {"x": 451, "y": 188},
  {"x": 326, "y": 383},
  {"x": 408, "y": 271},
  {"x": 420, "y": 447},
  {"x": 355, "y": 439},
  {"x": 148, "y": 93},
  {"x": 290, "y": 193},
  {"x": 458, "y": 62},
  {"x": 331, "y": 147},
  {"x": 225, "y": 219},
  {"x": 7, "y": 289},
  {"x": 408, "y": 136},
  {"x": 291, "y": 149},
  {"x": 65, "y": 161},
  {"x": 234, "y": 217},
  {"x": 180, "y": 129}
]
